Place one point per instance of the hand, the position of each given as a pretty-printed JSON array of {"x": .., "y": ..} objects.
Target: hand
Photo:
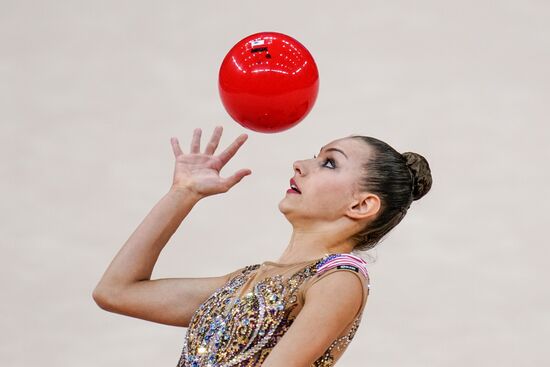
[{"x": 200, "y": 172}]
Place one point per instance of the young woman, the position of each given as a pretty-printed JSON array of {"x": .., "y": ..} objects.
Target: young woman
[{"x": 304, "y": 308}]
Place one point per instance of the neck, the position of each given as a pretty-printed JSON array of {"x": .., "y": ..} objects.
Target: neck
[{"x": 311, "y": 244}]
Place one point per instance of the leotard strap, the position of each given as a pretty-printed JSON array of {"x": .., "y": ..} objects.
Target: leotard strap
[{"x": 343, "y": 261}]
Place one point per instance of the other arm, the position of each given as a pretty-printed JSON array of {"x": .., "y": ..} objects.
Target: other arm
[{"x": 330, "y": 305}]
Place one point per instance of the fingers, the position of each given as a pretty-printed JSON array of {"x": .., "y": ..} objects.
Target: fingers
[
  {"x": 236, "y": 177},
  {"x": 196, "y": 141},
  {"x": 230, "y": 151},
  {"x": 214, "y": 141},
  {"x": 176, "y": 146},
  {"x": 212, "y": 145}
]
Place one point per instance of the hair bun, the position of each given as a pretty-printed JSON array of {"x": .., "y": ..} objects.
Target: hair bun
[{"x": 422, "y": 175}]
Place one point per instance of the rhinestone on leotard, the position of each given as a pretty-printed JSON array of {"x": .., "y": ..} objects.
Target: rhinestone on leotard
[{"x": 229, "y": 330}]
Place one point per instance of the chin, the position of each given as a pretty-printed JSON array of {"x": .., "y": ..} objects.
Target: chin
[
  {"x": 289, "y": 211},
  {"x": 284, "y": 207},
  {"x": 281, "y": 206}
]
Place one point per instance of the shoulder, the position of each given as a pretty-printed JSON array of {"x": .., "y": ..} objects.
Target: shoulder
[
  {"x": 341, "y": 264},
  {"x": 342, "y": 274},
  {"x": 332, "y": 296},
  {"x": 241, "y": 271},
  {"x": 343, "y": 261}
]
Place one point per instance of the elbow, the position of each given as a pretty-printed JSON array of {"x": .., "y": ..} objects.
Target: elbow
[{"x": 102, "y": 298}]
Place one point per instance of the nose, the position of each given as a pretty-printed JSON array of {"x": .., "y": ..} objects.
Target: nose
[{"x": 297, "y": 167}]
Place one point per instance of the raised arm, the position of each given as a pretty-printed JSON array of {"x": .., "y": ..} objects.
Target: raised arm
[{"x": 126, "y": 287}]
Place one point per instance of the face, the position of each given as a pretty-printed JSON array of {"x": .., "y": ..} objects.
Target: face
[{"x": 328, "y": 182}]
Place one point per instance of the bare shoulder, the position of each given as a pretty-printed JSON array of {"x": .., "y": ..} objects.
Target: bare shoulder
[
  {"x": 344, "y": 288},
  {"x": 344, "y": 276}
]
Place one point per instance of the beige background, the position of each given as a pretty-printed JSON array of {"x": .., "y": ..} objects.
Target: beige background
[{"x": 90, "y": 93}]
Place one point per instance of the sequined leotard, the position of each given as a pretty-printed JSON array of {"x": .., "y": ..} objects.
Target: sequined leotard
[{"x": 242, "y": 321}]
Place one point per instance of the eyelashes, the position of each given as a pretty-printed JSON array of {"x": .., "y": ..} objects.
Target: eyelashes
[{"x": 327, "y": 160}]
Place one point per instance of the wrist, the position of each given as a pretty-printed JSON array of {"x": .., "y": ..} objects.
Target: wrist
[{"x": 185, "y": 192}]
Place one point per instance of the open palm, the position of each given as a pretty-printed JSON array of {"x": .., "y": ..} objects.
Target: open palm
[{"x": 200, "y": 172}]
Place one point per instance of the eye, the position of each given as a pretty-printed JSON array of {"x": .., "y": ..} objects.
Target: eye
[{"x": 327, "y": 160}]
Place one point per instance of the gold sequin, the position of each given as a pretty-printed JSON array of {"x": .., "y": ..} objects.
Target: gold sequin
[{"x": 229, "y": 330}]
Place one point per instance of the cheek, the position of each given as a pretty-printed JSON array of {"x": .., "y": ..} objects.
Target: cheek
[
  {"x": 333, "y": 192},
  {"x": 342, "y": 184}
]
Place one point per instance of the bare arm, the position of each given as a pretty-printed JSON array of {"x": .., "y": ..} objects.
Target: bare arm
[
  {"x": 330, "y": 305},
  {"x": 126, "y": 287}
]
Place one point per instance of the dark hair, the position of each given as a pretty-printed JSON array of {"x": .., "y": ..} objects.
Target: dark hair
[{"x": 398, "y": 179}]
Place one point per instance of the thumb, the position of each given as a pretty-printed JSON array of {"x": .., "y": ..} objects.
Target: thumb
[{"x": 236, "y": 177}]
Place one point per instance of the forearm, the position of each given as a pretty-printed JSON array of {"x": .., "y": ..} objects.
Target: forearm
[{"x": 137, "y": 257}]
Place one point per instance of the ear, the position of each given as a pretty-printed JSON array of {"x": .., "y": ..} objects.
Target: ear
[{"x": 364, "y": 206}]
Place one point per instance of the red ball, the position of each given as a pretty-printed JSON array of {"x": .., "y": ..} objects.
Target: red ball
[{"x": 268, "y": 82}]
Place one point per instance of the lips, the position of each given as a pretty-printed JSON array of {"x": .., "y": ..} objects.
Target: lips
[{"x": 294, "y": 186}]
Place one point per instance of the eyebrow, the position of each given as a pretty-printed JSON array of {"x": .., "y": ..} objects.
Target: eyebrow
[{"x": 335, "y": 149}]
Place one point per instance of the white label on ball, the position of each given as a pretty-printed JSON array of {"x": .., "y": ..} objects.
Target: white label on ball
[{"x": 256, "y": 42}]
